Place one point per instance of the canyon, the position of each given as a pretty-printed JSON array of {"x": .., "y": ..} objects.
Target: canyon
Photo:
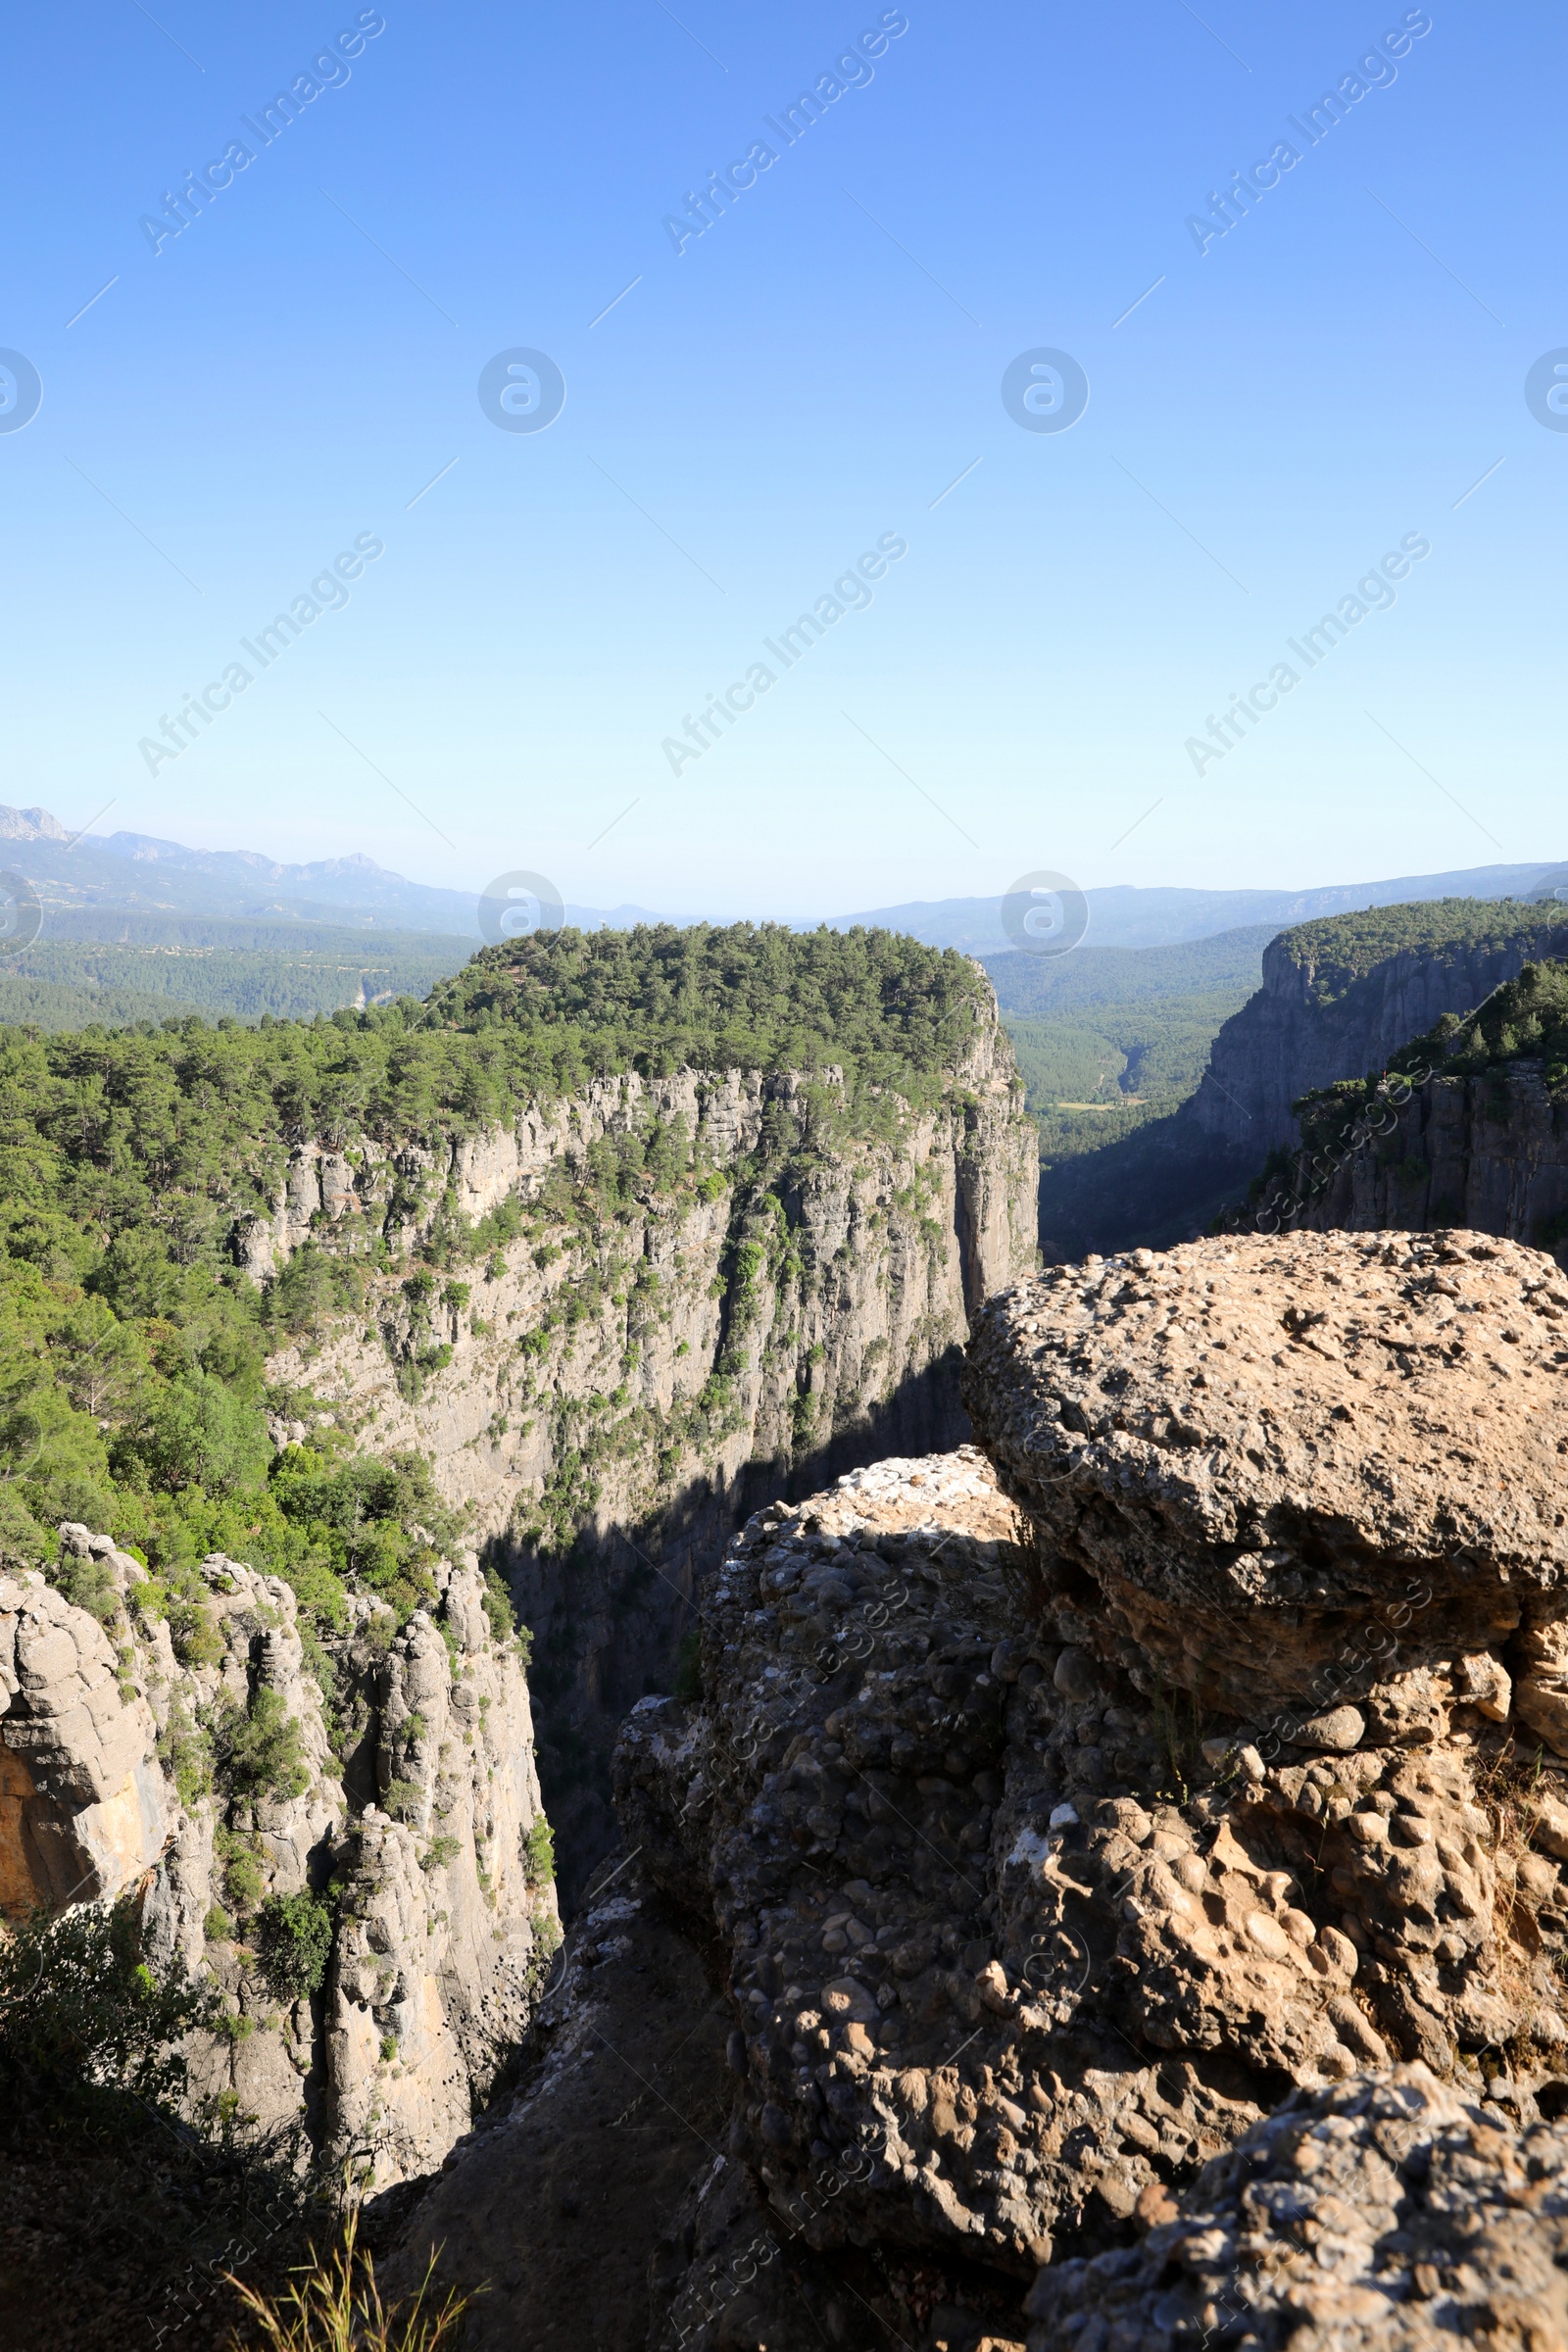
[{"x": 628, "y": 1379}]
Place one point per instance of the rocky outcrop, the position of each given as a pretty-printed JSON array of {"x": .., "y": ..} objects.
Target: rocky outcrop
[
  {"x": 1329, "y": 1008},
  {"x": 615, "y": 1388},
  {"x": 1314, "y": 1488},
  {"x": 84, "y": 1803},
  {"x": 1382, "y": 2216},
  {"x": 212, "y": 1785},
  {"x": 1051, "y": 1824}
]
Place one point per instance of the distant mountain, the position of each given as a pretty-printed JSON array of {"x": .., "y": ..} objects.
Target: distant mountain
[
  {"x": 139, "y": 872},
  {"x": 31, "y": 824},
  {"x": 1124, "y": 917},
  {"x": 129, "y": 872}
]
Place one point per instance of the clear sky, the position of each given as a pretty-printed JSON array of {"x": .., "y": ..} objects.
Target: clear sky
[{"x": 803, "y": 379}]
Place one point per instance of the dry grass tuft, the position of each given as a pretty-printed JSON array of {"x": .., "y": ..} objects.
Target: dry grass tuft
[{"x": 336, "y": 2307}]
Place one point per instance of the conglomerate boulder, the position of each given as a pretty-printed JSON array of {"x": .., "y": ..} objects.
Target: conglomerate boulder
[{"x": 1241, "y": 1456}]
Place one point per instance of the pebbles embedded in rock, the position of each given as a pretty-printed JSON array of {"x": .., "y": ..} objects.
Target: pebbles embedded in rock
[
  {"x": 1336, "y": 1733},
  {"x": 1381, "y": 2215}
]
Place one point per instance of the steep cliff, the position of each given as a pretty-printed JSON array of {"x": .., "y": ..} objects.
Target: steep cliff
[
  {"x": 1470, "y": 1128},
  {"x": 1339, "y": 998},
  {"x": 718, "y": 1293},
  {"x": 351, "y": 1845}
]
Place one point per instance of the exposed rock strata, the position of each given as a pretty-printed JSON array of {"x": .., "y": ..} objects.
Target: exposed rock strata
[
  {"x": 443, "y": 1923},
  {"x": 1487, "y": 1152}
]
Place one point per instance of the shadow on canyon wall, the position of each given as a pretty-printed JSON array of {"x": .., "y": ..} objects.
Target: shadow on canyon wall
[{"x": 612, "y": 1614}]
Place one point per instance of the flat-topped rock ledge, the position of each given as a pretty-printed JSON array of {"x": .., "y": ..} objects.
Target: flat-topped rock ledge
[{"x": 1255, "y": 1462}]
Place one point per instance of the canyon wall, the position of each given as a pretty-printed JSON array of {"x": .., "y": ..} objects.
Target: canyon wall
[
  {"x": 1487, "y": 1151},
  {"x": 628, "y": 1376},
  {"x": 1327, "y": 1011},
  {"x": 1340, "y": 998}
]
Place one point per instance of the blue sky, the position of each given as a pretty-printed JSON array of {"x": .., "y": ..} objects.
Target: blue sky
[{"x": 806, "y": 376}]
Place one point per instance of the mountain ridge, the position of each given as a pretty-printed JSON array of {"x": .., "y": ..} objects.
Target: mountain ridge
[{"x": 143, "y": 870}]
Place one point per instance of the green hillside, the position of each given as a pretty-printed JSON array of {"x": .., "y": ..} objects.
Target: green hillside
[
  {"x": 132, "y": 1352},
  {"x": 48, "y": 1004},
  {"x": 1093, "y": 976},
  {"x": 1110, "y": 1038},
  {"x": 1155, "y": 1049},
  {"x": 92, "y": 967}
]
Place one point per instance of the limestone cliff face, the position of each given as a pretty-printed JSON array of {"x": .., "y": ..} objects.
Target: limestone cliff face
[
  {"x": 1319, "y": 1019},
  {"x": 441, "y": 1920},
  {"x": 1488, "y": 1151},
  {"x": 617, "y": 1386}
]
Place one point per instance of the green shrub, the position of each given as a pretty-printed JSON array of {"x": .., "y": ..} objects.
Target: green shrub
[
  {"x": 216, "y": 1927},
  {"x": 82, "y": 2012},
  {"x": 539, "y": 1853},
  {"x": 294, "y": 1941},
  {"x": 193, "y": 1631},
  {"x": 500, "y": 1608},
  {"x": 187, "y": 1754},
  {"x": 243, "y": 1880},
  {"x": 87, "y": 1585},
  {"x": 24, "y": 1543},
  {"x": 259, "y": 1750},
  {"x": 438, "y": 1854}
]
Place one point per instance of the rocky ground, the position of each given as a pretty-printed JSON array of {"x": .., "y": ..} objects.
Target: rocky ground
[
  {"x": 1391, "y": 2214},
  {"x": 1048, "y": 1828}
]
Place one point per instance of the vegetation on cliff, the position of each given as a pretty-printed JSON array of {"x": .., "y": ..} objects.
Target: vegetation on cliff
[
  {"x": 1525, "y": 1019},
  {"x": 1343, "y": 948},
  {"x": 132, "y": 1383},
  {"x": 573, "y": 1006}
]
